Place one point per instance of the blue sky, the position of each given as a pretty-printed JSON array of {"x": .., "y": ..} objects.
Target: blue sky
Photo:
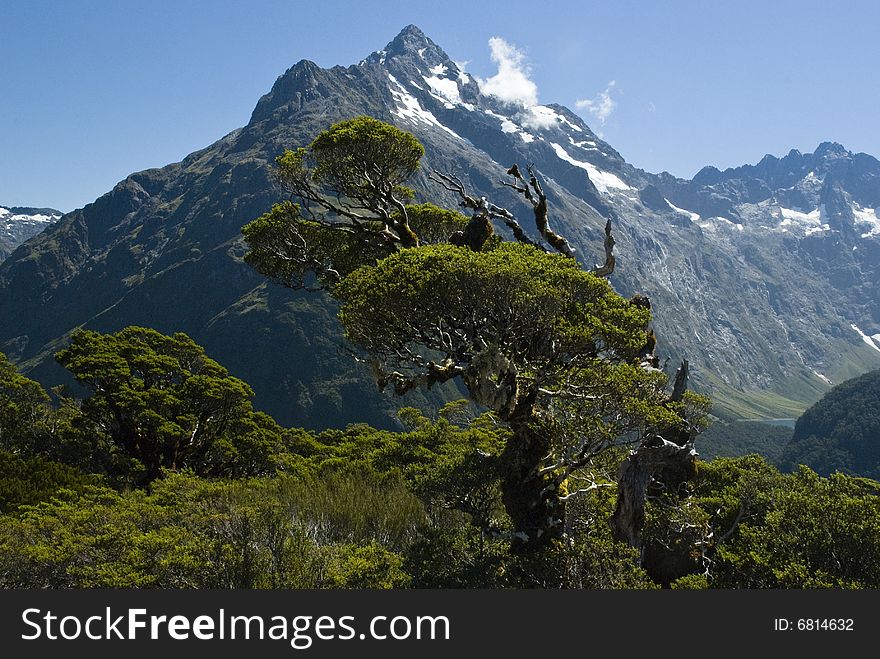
[{"x": 93, "y": 90}]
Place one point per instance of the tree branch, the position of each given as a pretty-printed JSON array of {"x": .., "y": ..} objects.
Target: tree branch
[{"x": 607, "y": 268}]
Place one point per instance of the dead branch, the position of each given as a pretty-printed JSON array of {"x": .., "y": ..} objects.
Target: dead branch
[
  {"x": 606, "y": 268},
  {"x": 533, "y": 192}
]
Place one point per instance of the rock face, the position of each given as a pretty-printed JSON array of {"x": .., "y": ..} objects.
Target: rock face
[
  {"x": 757, "y": 274},
  {"x": 18, "y": 224}
]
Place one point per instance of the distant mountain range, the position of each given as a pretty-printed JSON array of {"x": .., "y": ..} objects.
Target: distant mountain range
[
  {"x": 765, "y": 276},
  {"x": 18, "y": 224}
]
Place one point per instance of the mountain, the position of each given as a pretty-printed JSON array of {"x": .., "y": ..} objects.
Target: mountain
[
  {"x": 795, "y": 244},
  {"x": 841, "y": 432},
  {"x": 17, "y": 224},
  {"x": 764, "y": 276}
]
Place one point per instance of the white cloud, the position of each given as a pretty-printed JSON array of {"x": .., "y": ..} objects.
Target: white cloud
[
  {"x": 539, "y": 117},
  {"x": 512, "y": 83},
  {"x": 600, "y": 106},
  {"x": 462, "y": 74}
]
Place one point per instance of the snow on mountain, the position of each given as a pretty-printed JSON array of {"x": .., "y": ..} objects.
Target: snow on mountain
[
  {"x": 873, "y": 341},
  {"x": 867, "y": 218},
  {"x": 604, "y": 181},
  {"x": 755, "y": 273},
  {"x": 19, "y": 224}
]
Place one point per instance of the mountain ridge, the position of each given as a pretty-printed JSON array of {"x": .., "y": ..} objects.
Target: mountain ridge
[
  {"x": 19, "y": 223},
  {"x": 756, "y": 280}
]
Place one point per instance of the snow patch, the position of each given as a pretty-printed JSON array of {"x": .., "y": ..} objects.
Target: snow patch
[
  {"x": 36, "y": 218},
  {"x": 507, "y": 126},
  {"x": 873, "y": 341},
  {"x": 463, "y": 77},
  {"x": 446, "y": 88},
  {"x": 408, "y": 107},
  {"x": 791, "y": 217},
  {"x": 570, "y": 125},
  {"x": 438, "y": 70},
  {"x": 604, "y": 181},
  {"x": 586, "y": 145},
  {"x": 867, "y": 217},
  {"x": 421, "y": 52},
  {"x": 714, "y": 223},
  {"x": 695, "y": 217},
  {"x": 527, "y": 137},
  {"x": 824, "y": 379}
]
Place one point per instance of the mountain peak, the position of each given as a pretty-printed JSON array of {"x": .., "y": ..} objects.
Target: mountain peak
[
  {"x": 410, "y": 32},
  {"x": 299, "y": 83},
  {"x": 832, "y": 149},
  {"x": 410, "y": 42}
]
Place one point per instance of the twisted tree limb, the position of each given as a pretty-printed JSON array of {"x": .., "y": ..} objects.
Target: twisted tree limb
[
  {"x": 607, "y": 268},
  {"x": 533, "y": 192},
  {"x": 671, "y": 451}
]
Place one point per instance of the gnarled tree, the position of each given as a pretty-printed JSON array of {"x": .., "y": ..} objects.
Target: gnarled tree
[
  {"x": 161, "y": 403},
  {"x": 549, "y": 347}
]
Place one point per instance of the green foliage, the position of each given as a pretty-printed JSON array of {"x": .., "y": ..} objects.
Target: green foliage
[
  {"x": 27, "y": 481},
  {"x": 595, "y": 561},
  {"x": 24, "y": 410},
  {"x": 289, "y": 249},
  {"x": 819, "y": 533},
  {"x": 158, "y": 402},
  {"x": 371, "y": 566},
  {"x": 515, "y": 293},
  {"x": 553, "y": 350},
  {"x": 359, "y": 156},
  {"x": 690, "y": 582},
  {"x": 421, "y": 508},
  {"x": 30, "y": 427},
  {"x": 841, "y": 431},
  {"x": 191, "y": 533},
  {"x": 730, "y": 439},
  {"x": 434, "y": 225},
  {"x": 448, "y": 466},
  {"x": 750, "y": 526}
]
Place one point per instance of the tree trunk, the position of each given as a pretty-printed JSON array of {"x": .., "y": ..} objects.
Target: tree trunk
[
  {"x": 659, "y": 459},
  {"x": 532, "y": 500},
  {"x": 666, "y": 459}
]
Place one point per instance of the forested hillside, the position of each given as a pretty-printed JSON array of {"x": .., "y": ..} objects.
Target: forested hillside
[
  {"x": 842, "y": 431},
  {"x": 367, "y": 508}
]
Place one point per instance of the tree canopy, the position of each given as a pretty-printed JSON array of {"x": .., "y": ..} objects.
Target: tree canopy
[
  {"x": 23, "y": 409},
  {"x": 163, "y": 404},
  {"x": 551, "y": 349},
  {"x": 429, "y": 506}
]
